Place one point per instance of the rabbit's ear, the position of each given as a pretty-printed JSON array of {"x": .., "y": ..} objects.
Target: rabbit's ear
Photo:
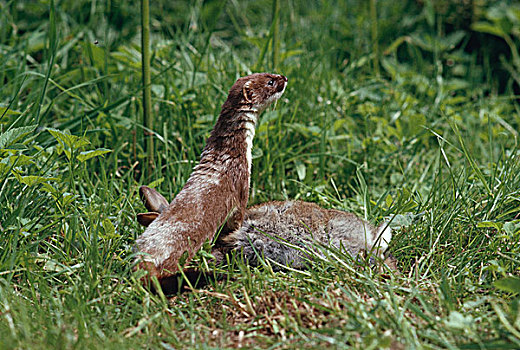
[
  {"x": 146, "y": 219},
  {"x": 152, "y": 199}
]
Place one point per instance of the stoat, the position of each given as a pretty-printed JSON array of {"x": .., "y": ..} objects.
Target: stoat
[
  {"x": 217, "y": 191},
  {"x": 284, "y": 232}
]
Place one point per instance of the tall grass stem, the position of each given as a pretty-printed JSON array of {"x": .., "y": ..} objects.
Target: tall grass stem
[
  {"x": 374, "y": 35},
  {"x": 147, "y": 81},
  {"x": 276, "y": 34},
  {"x": 52, "y": 52}
]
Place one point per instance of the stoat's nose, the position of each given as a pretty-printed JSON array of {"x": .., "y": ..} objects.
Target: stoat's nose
[{"x": 281, "y": 87}]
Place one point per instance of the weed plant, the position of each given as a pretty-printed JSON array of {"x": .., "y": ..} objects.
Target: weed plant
[{"x": 430, "y": 142}]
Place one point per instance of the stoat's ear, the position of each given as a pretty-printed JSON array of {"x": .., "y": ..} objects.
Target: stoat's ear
[
  {"x": 152, "y": 199},
  {"x": 246, "y": 92},
  {"x": 146, "y": 219}
]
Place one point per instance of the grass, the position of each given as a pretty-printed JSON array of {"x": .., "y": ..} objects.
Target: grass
[{"x": 432, "y": 141}]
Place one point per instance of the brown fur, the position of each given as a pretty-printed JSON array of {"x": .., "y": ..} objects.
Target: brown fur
[
  {"x": 284, "y": 233},
  {"x": 217, "y": 191}
]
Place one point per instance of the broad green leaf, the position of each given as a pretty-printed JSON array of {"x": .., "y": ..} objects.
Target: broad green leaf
[
  {"x": 509, "y": 284},
  {"x": 486, "y": 27},
  {"x": 12, "y": 135},
  {"x": 83, "y": 156},
  {"x": 36, "y": 41},
  {"x": 96, "y": 53},
  {"x": 304, "y": 129},
  {"x": 156, "y": 183},
  {"x": 110, "y": 230},
  {"x": 425, "y": 41},
  {"x": 339, "y": 123},
  {"x": 257, "y": 153},
  {"x": 490, "y": 224},
  {"x": 14, "y": 160},
  {"x": 31, "y": 180},
  {"x": 128, "y": 56},
  {"x": 389, "y": 200},
  {"x": 18, "y": 160},
  {"x": 72, "y": 142},
  {"x": 67, "y": 153},
  {"x": 158, "y": 90},
  {"x": 450, "y": 41},
  {"x": 269, "y": 116},
  {"x": 301, "y": 170},
  {"x": 415, "y": 124},
  {"x": 511, "y": 227},
  {"x": 52, "y": 265},
  {"x": 459, "y": 321},
  {"x": 456, "y": 84},
  {"x": 401, "y": 220},
  {"x": 7, "y": 111}
]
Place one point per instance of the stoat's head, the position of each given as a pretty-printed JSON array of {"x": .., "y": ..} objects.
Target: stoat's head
[{"x": 254, "y": 92}]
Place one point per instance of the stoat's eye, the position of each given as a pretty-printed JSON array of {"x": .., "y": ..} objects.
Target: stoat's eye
[{"x": 270, "y": 82}]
